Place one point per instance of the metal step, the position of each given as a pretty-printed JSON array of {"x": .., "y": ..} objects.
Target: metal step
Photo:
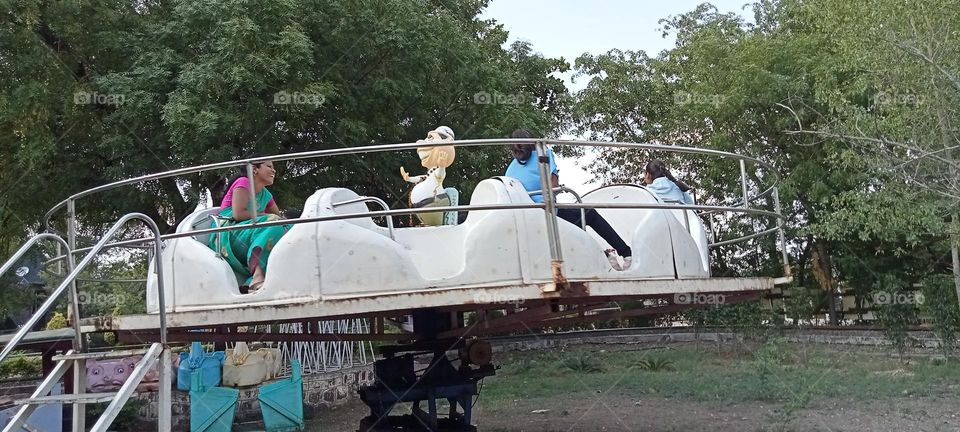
[
  {"x": 85, "y": 398},
  {"x": 100, "y": 355}
]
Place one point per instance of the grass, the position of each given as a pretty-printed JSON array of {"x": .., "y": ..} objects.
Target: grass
[{"x": 788, "y": 374}]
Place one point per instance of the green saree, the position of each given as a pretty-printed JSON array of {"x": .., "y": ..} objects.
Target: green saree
[{"x": 240, "y": 246}]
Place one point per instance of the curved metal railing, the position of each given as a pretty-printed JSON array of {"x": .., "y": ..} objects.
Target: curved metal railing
[
  {"x": 742, "y": 206},
  {"x": 72, "y": 276}
]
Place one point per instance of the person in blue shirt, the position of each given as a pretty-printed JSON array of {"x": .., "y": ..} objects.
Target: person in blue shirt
[
  {"x": 524, "y": 168},
  {"x": 659, "y": 180}
]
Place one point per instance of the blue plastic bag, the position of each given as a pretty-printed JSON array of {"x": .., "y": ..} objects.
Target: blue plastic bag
[{"x": 209, "y": 365}]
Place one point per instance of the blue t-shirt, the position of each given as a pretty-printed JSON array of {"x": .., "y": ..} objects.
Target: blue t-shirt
[{"x": 528, "y": 173}]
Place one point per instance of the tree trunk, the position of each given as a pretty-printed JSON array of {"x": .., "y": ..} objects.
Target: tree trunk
[
  {"x": 823, "y": 273},
  {"x": 956, "y": 258}
]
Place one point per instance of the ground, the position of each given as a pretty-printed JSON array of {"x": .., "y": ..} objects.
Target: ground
[{"x": 704, "y": 387}]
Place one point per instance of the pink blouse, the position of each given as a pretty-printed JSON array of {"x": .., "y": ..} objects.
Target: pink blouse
[{"x": 240, "y": 183}]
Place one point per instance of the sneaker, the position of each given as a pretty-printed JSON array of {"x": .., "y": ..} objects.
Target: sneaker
[
  {"x": 614, "y": 259},
  {"x": 627, "y": 261}
]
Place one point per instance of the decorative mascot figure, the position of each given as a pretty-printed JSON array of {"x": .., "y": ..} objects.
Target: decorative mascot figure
[{"x": 428, "y": 190}]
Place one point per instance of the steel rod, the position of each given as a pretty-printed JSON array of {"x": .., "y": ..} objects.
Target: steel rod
[
  {"x": 406, "y": 146},
  {"x": 365, "y": 199}
]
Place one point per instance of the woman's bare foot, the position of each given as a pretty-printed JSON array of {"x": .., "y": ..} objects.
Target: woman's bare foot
[{"x": 256, "y": 283}]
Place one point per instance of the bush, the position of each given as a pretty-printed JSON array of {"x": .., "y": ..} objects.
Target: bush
[
  {"x": 581, "y": 364},
  {"x": 20, "y": 365},
  {"x": 940, "y": 304},
  {"x": 655, "y": 365},
  {"x": 57, "y": 321}
]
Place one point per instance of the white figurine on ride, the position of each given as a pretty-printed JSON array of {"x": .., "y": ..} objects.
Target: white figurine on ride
[{"x": 428, "y": 190}]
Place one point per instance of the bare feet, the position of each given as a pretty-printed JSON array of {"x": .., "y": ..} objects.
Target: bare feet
[{"x": 256, "y": 283}]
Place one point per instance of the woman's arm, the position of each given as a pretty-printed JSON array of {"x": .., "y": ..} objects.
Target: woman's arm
[
  {"x": 273, "y": 208},
  {"x": 239, "y": 206}
]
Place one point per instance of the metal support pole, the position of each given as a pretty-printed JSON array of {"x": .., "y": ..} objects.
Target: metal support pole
[
  {"x": 252, "y": 202},
  {"x": 79, "y": 365},
  {"x": 553, "y": 234},
  {"x": 164, "y": 409},
  {"x": 74, "y": 300},
  {"x": 780, "y": 234},
  {"x": 743, "y": 182}
]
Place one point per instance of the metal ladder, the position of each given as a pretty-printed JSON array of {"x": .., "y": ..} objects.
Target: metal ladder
[{"x": 77, "y": 357}]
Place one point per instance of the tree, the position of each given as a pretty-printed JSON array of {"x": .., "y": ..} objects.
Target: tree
[
  {"x": 94, "y": 92},
  {"x": 743, "y": 88}
]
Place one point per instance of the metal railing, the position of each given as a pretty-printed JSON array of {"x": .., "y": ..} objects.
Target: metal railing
[
  {"x": 576, "y": 196},
  {"x": 72, "y": 276},
  {"x": 549, "y": 205},
  {"x": 79, "y": 381},
  {"x": 366, "y": 199}
]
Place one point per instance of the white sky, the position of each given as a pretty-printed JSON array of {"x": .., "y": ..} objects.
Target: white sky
[{"x": 569, "y": 28}]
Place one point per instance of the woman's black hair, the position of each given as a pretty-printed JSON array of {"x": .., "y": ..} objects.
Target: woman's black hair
[
  {"x": 242, "y": 172},
  {"x": 656, "y": 168},
  {"x": 521, "y": 152}
]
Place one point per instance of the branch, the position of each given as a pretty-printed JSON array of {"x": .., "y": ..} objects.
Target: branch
[
  {"x": 875, "y": 140},
  {"x": 916, "y": 52}
]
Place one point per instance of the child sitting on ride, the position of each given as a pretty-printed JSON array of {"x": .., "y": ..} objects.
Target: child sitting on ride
[
  {"x": 660, "y": 181},
  {"x": 524, "y": 168},
  {"x": 428, "y": 190}
]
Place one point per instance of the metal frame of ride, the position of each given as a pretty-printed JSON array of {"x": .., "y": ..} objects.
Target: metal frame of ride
[{"x": 163, "y": 356}]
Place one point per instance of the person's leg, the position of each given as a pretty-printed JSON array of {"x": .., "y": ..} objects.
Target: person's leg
[
  {"x": 606, "y": 232},
  {"x": 261, "y": 244},
  {"x": 569, "y": 215}
]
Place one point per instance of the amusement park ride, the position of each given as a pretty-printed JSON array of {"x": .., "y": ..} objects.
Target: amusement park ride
[{"x": 510, "y": 255}]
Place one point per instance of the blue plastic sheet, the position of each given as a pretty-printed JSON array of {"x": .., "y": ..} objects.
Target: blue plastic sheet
[{"x": 282, "y": 402}]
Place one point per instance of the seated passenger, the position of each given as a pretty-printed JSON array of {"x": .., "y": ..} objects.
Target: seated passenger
[
  {"x": 524, "y": 168},
  {"x": 659, "y": 180},
  {"x": 247, "y": 250}
]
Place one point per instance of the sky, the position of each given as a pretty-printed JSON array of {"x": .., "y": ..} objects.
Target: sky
[{"x": 569, "y": 28}]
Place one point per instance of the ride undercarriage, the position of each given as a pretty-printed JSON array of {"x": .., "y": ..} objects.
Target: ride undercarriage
[{"x": 510, "y": 266}]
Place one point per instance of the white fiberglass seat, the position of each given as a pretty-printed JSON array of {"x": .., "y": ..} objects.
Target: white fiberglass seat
[
  {"x": 659, "y": 237},
  {"x": 356, "y": 257}
]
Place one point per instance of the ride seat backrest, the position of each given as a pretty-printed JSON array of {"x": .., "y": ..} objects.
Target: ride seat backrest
[
  {"x": 199, "y": 220},
  {"x": 321, "y": 204}
]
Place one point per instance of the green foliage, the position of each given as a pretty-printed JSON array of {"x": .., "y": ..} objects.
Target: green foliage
[
  {"x": 895, "y": 317},
  {"x": 582, "y": 364},
  {"x": 655, "y": 365},
  {"x": 57, "y": 321},
  {"x": 105, "y": 92},
  {"x": 127, "y": 419},
  {"x": 940, "y": 304},
  {"x": 792, "y": 89},
  {"x": 20, "y": 365}
]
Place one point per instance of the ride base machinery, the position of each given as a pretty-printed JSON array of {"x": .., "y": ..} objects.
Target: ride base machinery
[{"x": 510, "y": 266}]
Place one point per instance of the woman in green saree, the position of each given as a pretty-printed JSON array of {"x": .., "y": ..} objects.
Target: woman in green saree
[{"x": 247, "y": 250}]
